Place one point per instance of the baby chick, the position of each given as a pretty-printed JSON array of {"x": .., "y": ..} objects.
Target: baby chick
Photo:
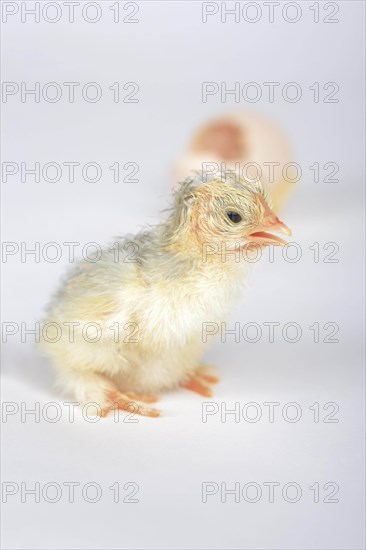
[{"x": 130, "y": 324}]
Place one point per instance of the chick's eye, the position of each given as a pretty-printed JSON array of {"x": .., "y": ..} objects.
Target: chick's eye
[{"x": 233, "y": 216}]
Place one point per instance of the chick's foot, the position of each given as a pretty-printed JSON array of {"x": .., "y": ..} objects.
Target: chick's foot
[
  {"x": 142, "y": 397},
  {"x": 200, "y": 382},
  {"x": 205, "y": 372},
  {"x": 125, "y": 402}
]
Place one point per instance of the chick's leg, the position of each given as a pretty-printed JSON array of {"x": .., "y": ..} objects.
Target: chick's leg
[
  {"x": 201, "y": 380},
  {"x": 99, "y": 389}
]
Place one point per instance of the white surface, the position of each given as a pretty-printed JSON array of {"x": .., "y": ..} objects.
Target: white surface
[{"x": 170, "y": 53}]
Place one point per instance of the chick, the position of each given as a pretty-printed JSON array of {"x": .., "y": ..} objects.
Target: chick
[{"x": 130, "y": 325}]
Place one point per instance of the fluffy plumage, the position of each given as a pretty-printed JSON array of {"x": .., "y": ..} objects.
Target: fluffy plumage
[{"x": 158, "y": 296}]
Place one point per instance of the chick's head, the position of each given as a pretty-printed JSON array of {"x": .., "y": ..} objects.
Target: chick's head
[{"x": 227, "y": 211}]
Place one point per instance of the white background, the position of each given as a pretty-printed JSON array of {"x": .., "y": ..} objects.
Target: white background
[{"x": 169, "y": 53}]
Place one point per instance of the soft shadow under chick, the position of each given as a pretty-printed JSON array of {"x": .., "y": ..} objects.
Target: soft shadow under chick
[{"x": 129, "y": 325}]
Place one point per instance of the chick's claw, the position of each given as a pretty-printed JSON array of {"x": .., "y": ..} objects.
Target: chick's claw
[{"x": 123, "y": 402}]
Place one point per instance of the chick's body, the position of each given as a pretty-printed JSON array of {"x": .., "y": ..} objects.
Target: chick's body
[{"x": 132, "y": 321}]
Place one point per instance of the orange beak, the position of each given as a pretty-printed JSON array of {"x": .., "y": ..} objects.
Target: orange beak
[{"x": 270, "y": 222}]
